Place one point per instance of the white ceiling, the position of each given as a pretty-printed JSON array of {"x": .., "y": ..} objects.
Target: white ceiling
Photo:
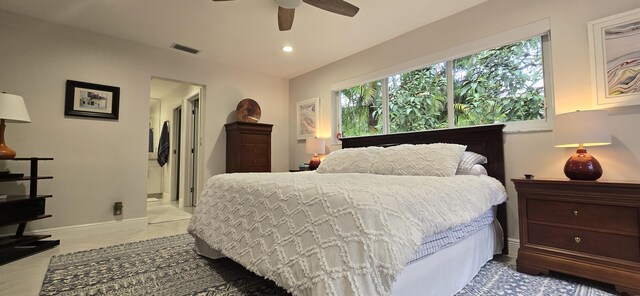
[{"x": 245, "y": 33}]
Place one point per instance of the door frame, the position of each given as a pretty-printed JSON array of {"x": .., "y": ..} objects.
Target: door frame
[
  {"x": 192, "y": 152},
  {"x": 176, "y": 153},
  {"x": 178, "y": 168}
]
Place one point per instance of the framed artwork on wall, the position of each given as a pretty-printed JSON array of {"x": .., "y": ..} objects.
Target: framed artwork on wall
[
  {"x": 307, "y": 118},
  {"x": 91, "y": 100},
  {"x": 614, "y": 46}
]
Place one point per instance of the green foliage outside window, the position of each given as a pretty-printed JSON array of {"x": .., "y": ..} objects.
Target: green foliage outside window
[
  {"x": 361, "y": 108},
  {"x": 418, "y": 99},
  {"x": 497, "y": 85}
]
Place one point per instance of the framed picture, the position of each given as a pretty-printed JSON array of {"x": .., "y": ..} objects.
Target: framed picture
[
  {"x": 307, "y": 118},
  {"x": 91, "y": 100},
  {"x": 614, "y": 45}
]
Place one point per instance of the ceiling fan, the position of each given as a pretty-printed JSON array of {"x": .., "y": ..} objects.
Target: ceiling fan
[{"x": 287, "y": 9}]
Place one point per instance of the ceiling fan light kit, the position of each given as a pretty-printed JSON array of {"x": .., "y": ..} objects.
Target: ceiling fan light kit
[{"x": 286, "y": 9}]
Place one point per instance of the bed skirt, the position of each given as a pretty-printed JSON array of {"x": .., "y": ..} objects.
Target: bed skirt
[{"x": 445, "y": 272}]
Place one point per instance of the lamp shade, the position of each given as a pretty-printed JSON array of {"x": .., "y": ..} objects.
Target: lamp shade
[
  {"x": 589, "y": 128},
  {"x": 314, "y": 146},
  {"x": 12, "y": 108}
]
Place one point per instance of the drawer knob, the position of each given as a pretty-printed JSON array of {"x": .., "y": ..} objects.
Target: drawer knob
[
  {"x": 577, "y": 239},
  {"x": 575, "y": 213}
]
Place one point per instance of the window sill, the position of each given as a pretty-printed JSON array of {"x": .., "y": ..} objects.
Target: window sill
[{"x": 527, "y": 130}]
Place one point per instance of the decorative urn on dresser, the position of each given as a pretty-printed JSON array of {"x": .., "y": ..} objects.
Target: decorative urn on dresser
[{"x": 583, "y": 228}]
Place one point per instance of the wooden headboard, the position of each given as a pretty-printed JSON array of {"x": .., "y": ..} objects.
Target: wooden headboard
[{"x": 486, "y": 140}]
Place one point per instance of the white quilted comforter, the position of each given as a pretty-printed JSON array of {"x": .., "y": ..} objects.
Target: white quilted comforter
[{"x": 333, "y": 234}]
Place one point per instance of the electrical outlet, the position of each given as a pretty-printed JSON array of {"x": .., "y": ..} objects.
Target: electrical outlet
[{"x": 117, "y": 208}]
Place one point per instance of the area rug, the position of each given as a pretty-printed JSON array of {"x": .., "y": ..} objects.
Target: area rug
[
  {"x": 169, "y": 266},
  {"x": 165, "y": 213},
  {"x": 496, "y": 278}
]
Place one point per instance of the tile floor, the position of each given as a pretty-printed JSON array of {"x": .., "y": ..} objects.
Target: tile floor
[
  {"x": 24, "y": 277},
  {"x": 160, "y": 211},
  {"x": 151, "y": 202}
]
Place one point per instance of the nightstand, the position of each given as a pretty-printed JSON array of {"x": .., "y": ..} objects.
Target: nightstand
[{"x": 584, "y": 228}]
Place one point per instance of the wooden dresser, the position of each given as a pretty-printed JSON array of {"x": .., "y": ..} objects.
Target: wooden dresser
[
  {"x": 589, "y": 229},
  {"x": 248, "y": 147}
]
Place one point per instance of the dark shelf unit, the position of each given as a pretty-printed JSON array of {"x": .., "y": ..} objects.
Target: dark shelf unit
[{"x": 21, "y": 209}]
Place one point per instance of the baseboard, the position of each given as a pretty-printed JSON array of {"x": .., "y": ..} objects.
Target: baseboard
[
  {"x": 154, "y": 195},
  {"x": 102, "y": 227},
  {"x": 514, "y": 245}
]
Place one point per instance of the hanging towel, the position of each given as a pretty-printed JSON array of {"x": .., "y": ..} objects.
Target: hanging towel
[{"x": 163, "y": 145}]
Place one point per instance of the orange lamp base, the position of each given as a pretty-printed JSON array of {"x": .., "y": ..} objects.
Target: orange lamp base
[
  {"x": 5, "y": 151},
  {"x": 314, "y": 163},
  {"x": 583, "y": 166}
]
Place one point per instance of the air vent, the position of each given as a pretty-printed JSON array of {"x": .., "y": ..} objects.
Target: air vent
[{"x": 185, "y": 48}]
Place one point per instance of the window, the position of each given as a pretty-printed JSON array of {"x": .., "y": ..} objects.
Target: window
[
  {"x": 361, "y": 109},
  {"x": 499, "y": 85}
]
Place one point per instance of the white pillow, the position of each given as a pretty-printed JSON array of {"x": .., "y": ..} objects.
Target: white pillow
[
  {"x": 419, "y": 160},
  {"x": 350, "y": 160},
  {"x": 468, "y": 161},
  {"x": 476, "y": 170}
]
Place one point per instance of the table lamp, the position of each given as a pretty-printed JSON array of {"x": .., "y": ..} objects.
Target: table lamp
[
  {"x": 315, "y": 146},
  {"x": 581, "y": 129},
  {"x": 12, "y": 109}
]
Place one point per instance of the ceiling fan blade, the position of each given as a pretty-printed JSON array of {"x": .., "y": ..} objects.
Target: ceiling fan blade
[
  {"x": 285, "y": 18},
  {"x": 335, "y": 6}
]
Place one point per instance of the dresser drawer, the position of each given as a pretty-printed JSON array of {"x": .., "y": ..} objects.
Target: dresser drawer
[
  {"x": 592, "y": 242},
  {"x": 618, "y": 218},
  {"x": 258, "y": 150},
  {"x": 250, "y": 139},
  {"x": 252, "y": 169},
  {"x": 254, "y": 162}
]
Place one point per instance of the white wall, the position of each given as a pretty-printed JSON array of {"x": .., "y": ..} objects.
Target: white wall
[
  {"x": 525, "y": 152},
  {"x": 99, "y": 162}
]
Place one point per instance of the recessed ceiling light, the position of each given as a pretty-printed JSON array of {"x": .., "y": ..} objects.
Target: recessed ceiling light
[{"x": 287, "y": 48}]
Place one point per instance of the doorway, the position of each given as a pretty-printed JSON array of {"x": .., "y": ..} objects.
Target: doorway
[{"x": 180, "y": 109}]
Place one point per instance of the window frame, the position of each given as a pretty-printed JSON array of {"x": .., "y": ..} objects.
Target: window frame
[{"x": 539, "y": 28}]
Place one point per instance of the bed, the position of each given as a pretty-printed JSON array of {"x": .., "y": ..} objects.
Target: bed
[{"x": 359, "y": 234}]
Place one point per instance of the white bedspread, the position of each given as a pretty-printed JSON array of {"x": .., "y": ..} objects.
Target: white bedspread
[{"x": 333, "y": 234}]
